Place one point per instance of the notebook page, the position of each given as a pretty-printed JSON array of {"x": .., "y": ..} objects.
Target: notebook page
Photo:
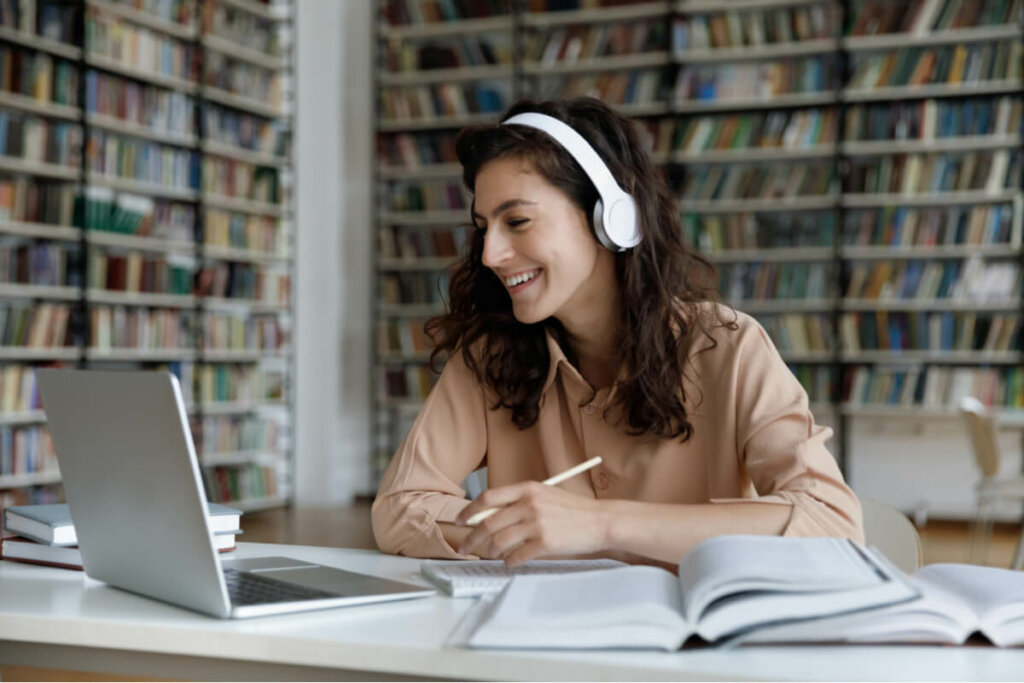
[{"x": 481, "y": 577}]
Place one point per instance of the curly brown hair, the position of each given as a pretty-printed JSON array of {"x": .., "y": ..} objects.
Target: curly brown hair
[{"x": 663, "y": 283}]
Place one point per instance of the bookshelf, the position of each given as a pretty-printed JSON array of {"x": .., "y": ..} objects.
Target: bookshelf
[
  {"x": 146, "y": 222},
  {"x": 827, "y": 156}
]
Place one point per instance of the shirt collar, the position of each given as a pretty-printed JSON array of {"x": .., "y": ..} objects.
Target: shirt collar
[{"x": 558, "y": 357}]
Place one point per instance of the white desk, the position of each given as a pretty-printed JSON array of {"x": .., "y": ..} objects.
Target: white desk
[{"x": 60, "y": 619}]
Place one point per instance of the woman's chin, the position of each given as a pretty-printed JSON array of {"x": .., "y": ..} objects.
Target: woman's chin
[{"x": 528, "y": 314}]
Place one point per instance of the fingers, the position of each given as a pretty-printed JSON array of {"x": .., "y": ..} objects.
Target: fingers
[
  {"x": 524, "y": 552},
  {"x": 483, "y": 534},
  {"x": 494, "y": 498}
]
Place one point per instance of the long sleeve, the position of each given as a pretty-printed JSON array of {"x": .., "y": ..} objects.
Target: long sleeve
[
  {"x": 782, "y": 449},
  {"x": 422, "y": 485}
]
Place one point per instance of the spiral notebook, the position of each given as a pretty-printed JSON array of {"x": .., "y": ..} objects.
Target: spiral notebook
[{"x": 462, "y": 579}]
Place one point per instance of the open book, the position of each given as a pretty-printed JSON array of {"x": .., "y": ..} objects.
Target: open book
[
  {"x": 726, "y": 585},
  {"x": 956, "y": 601}
]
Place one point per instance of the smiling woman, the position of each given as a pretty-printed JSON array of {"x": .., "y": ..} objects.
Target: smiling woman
[{"x": 579, "y": 324}]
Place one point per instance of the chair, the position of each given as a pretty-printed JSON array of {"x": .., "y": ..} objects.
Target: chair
[
  {"x": 992, "y": 488},
  {"x": 476, "y": 483},
  {"x": 889, "y": 530}
]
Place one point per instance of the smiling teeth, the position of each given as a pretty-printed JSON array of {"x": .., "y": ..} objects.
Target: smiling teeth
[{"x": 519, "y": 279}]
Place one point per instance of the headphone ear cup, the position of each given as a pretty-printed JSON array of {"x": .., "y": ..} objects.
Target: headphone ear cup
[{"x": 599, "y": 227}]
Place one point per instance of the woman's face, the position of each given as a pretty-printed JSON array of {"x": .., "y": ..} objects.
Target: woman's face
[{"x": 538, "y": 243}]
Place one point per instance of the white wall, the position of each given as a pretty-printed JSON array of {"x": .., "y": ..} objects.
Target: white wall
[
  {"x": 924, "y": 466},
  {"x": 333, "y": 147}
]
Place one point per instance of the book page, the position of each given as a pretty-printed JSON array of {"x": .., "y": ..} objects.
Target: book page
[
  {"x": 727, "y": 565},
  {"x": 936, "y": 616},
  {"x": 626, "y": 607},
  {"x": 995, "y": 595}
]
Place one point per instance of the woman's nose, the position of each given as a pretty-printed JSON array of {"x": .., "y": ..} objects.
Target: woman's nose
[{"x": 497, "y": 248}]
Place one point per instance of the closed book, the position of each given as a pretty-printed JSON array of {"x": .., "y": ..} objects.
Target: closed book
[
  {"x": 52, "y": 525},
  {"x": 17, "y": 549}
]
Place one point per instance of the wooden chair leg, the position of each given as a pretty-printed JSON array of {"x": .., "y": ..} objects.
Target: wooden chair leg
[
  {"x": 979, "y": 533},
  {"x": 1018, "y": 556}
]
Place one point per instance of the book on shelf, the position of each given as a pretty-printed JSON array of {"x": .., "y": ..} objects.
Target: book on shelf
[
  {"x": 755, "y": 81},
  {"x": 245, "y": 131},
  {"x": 454, "y": 53},
  {"x": 52, "y": 524},
  {"x": 157, "y": 109},
  {"x": 44, "y": 325},
  {"x": 746, "y": 231},
  {"x": 725, "y": 586},
  {"x": 426, "y": 102},
  {"x": 932, "y": 387},
  {"x": 234, "y": 483},
  {"x": 956, "y": 601},
  {"x": 725, "y": 28},
  {"x": 36, "y": 201},
  {"x": 20, "y": 392},
  {"x": 411, "y": 12},
  {"x": 424, "y": 195},
  {"x": 782, "y": 130},
  {"x": 39, "y": 76},
  {"x": 119, "y": 156},
  {"x": 416, "y": 150},
  {"x": 28, "y": 137},
  {"x": 763, "y": 181},
  {"x": 637, "y": 87},
  {"x": 413, "y": 243},
  {"x": 943, "y": 331},
  {"x": 932, "y": 119},
  {"x": 894, "y": 226},
  {"x": 17, "y": 549},
  {"x": 583, "y": 42},
  {"x": 879, "y": 17},
  {"x": 909, "y": 174},
  {"x": 766, "y": 281},
  {"x": 960, "y": 64},
  {"x": 403, "y": 336},
  {"x": 799, "y": 333},
  {"x": 26, "y": 450},
  {"x": 138, "y": 47}
]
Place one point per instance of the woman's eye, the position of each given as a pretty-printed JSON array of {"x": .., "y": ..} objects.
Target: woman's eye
[{"x": 516, "y": 222}]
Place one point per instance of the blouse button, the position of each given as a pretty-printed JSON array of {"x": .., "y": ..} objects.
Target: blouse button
[
  {"x": 590, "y": 409},
  {"x": 601, "y": 480}
]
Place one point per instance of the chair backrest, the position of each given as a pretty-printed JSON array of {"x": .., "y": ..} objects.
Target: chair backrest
[
  {"x": 476, "y": 483},
  {"x": 889, "y": 530},
  {"x": 982, "y": 430}
]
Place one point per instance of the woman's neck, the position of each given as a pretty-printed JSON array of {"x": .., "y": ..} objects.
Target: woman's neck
[{"x": 593, "y": 332}]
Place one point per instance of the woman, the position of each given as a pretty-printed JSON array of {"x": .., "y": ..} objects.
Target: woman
[{"x": 571, "y": 336}]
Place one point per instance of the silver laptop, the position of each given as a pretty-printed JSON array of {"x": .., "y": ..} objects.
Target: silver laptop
[{"x": 133, "y": 486}]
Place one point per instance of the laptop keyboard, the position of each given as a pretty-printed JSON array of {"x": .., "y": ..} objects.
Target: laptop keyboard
[{"x": 253, "y": 589}]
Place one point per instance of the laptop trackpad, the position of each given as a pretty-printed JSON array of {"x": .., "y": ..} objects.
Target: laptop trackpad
[{"x": 339, "y": 581}]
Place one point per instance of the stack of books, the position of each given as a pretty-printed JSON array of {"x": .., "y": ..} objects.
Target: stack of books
[{"x": 45, "y": 534}]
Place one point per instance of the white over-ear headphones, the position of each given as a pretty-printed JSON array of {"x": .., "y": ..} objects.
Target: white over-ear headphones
[{"x": 615, "y": 218}]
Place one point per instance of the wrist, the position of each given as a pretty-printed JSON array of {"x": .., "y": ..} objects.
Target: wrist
[{"x": 610, "y": 518}]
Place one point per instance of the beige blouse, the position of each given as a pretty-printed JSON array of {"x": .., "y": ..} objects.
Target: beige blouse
[{"x": 754, "y": 439}]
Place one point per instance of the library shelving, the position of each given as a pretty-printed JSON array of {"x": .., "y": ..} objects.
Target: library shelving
[
  {"x": 146, "y": 222},
  {"x": 853, "y": 168}
]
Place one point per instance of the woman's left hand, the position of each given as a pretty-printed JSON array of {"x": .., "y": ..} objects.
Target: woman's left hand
[{"x": 534, "y": 521}]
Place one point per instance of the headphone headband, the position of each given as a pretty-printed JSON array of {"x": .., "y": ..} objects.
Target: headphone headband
[{"x": 615, "y": 219}]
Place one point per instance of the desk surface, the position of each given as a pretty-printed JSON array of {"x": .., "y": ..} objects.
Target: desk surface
[{"x": 55, "y": 607}]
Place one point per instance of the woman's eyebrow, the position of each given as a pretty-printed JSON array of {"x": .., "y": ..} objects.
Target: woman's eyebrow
[{"x": 505, "y": 206}]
